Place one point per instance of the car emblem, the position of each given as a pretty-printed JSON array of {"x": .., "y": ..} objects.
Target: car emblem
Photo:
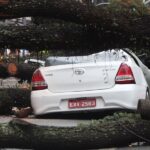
[{"x": 79, "y": 71}]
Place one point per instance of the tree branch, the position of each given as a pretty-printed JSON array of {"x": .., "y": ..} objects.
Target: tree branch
[{"x": 113, "y": 131}]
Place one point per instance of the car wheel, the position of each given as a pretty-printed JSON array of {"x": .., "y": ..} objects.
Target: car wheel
[{"x": 144, "y": 108}]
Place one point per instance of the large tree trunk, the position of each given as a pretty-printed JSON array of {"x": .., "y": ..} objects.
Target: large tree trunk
[
  {"x": 72, "y": 10},
  {"x": 113, "y": 131},
  {"x": 69, "y": 10},
  {"x": 65, "y": 9},
  {"x": 127, "y": 17},
  {"x": 101, "y": 28}
]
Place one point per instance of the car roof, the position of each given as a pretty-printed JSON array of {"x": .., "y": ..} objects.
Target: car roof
[{"x": 100, "y": 56}]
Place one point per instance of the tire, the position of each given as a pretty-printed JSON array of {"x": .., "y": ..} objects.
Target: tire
[{"x": 144, "y": 108}]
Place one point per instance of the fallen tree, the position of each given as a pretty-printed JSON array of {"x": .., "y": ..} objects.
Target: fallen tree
[
  {"x": 74, "y": 10},
  {"x": 112, "y": 131},
  {"x": 120, "y": 24}
]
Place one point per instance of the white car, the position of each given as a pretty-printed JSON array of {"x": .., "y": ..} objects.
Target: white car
[
  {"x": 35, "y": 62},
  {"x": 107, "y": 80}
]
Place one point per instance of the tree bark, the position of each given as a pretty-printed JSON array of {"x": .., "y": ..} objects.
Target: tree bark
[
  {"x": 71, "y": 10},
  {"x": 112, "y": 131},
  {"x": 122, "y": 16},
  {"x": 100, "y": 27}
]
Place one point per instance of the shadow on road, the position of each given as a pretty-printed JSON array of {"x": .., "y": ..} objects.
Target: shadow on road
[{"x": 84, "y": 114}]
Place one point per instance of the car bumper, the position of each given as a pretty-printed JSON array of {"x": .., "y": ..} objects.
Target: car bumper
[{"x": 120, "y": 96}]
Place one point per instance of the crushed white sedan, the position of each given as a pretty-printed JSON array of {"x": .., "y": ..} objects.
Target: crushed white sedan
[{"x": 111, "y": 79}]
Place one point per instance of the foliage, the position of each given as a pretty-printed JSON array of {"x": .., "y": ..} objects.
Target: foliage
[
  {"x": 123, "y": 23},
  {"x": 20, "y": 97},
  {"x": 3, "y": 71},
  {"x": 128, "y": 8},
  {"x": 13, "y": 97},
  {"x": 6, "y": 103}
]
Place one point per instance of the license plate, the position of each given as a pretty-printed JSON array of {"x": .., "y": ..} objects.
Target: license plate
[{"x": 82, "y": 103}]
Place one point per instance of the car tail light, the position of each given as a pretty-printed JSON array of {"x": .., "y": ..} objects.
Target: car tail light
[
  {"x": 38, "y": 82},
  {"x": 125, "y": 75}
]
